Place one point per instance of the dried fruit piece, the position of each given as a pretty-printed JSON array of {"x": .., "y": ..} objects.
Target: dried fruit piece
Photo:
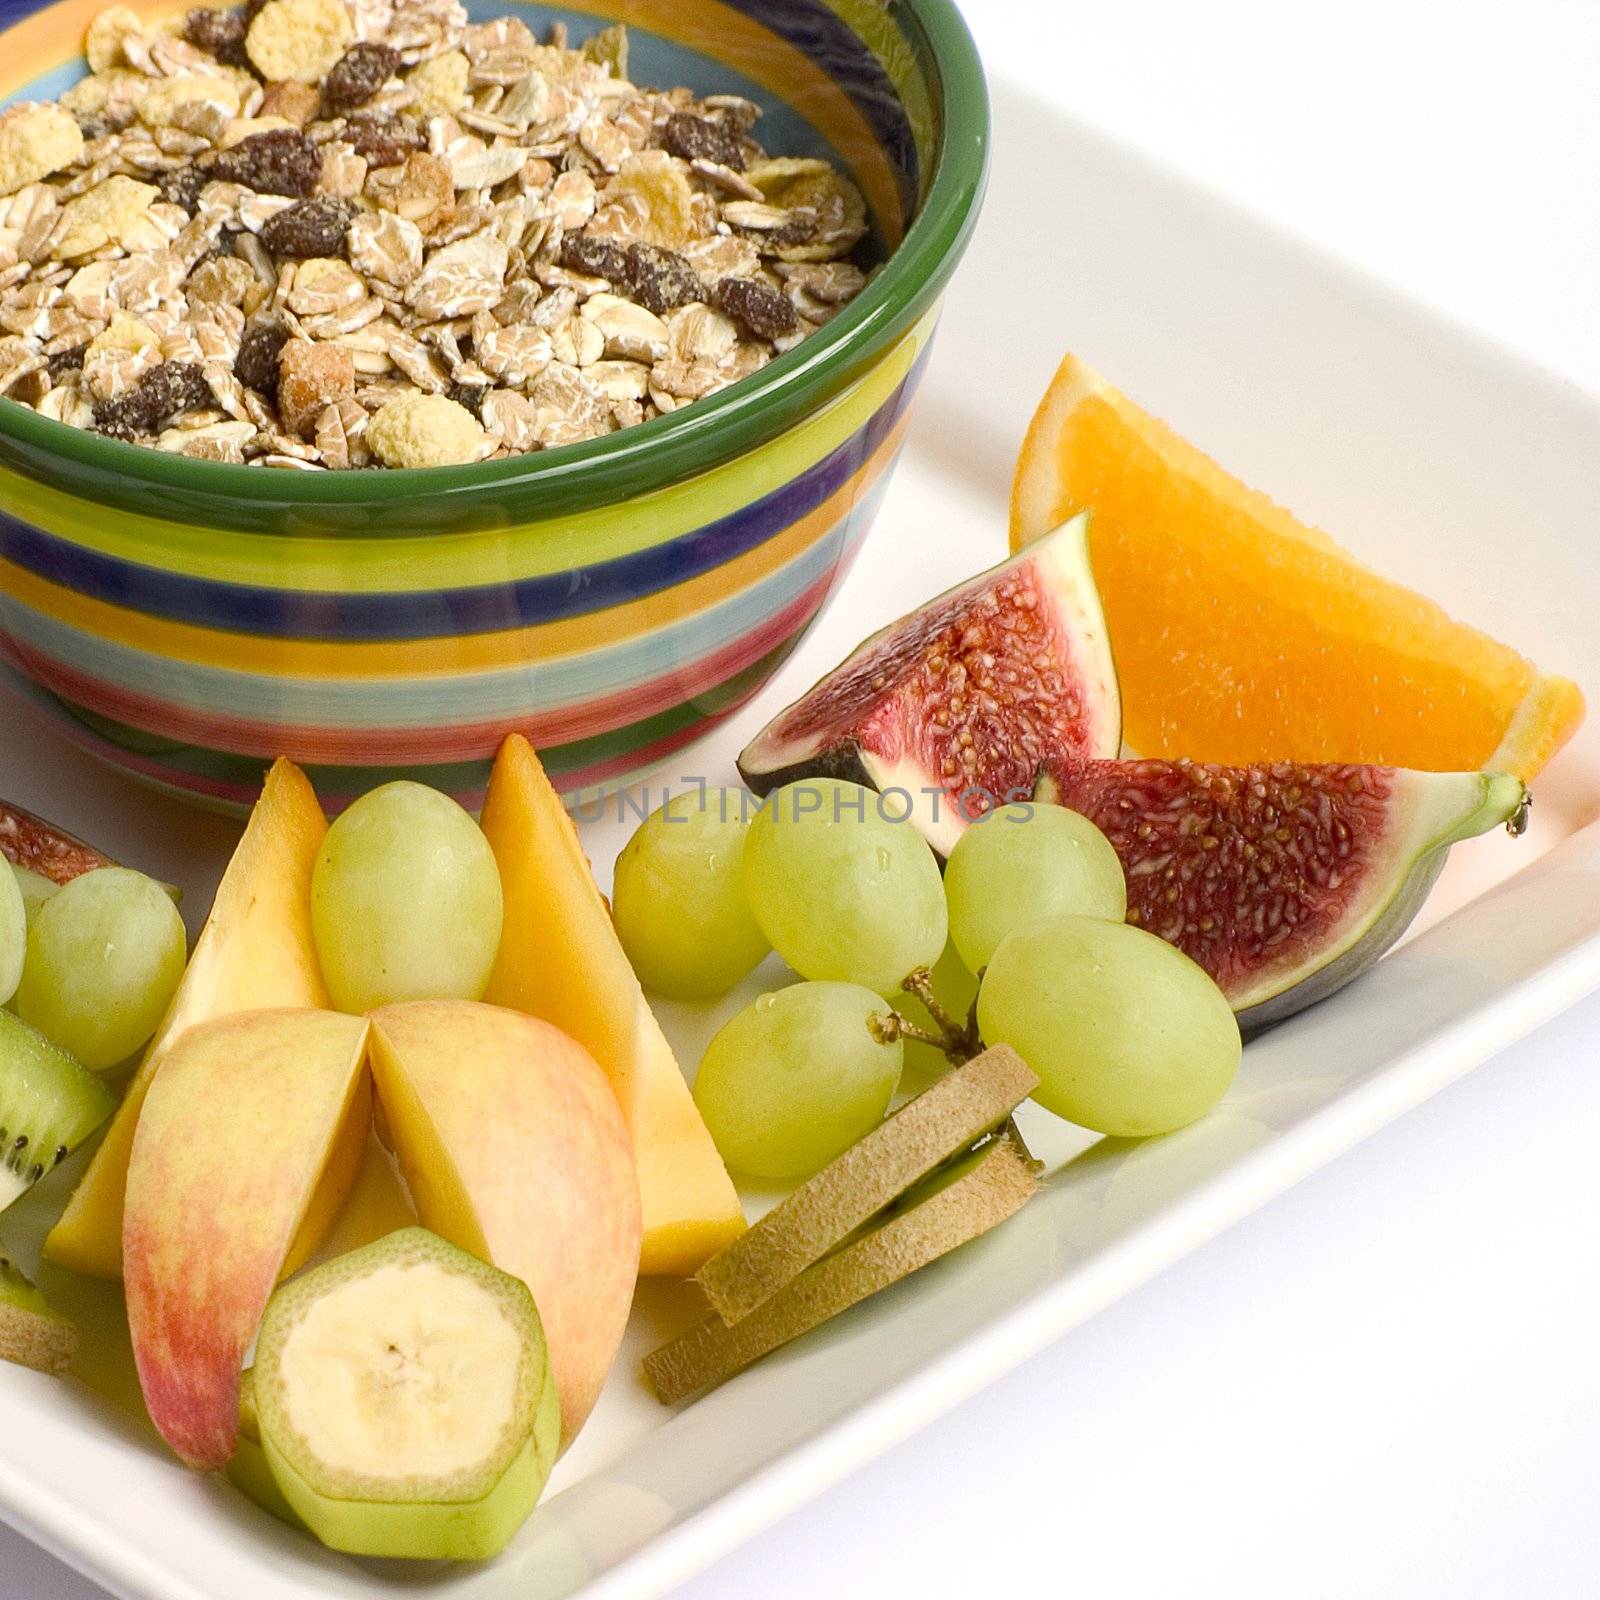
[
  {"x": 65, "y": 361},
  {"x": 1283, "y": 881},
  {"x": 314, "y": 227},
  {"x": 256, "y": 365},
  {"x": 219, "y": 33},
  {"x": 426, "y": 430},
  {"x": 594, "y": 257},
  {"x": 693, "y": 138},
  {"x": 966, "y": 697},
  {"x": 469, "y": 396},
  {"x": 384, "y": 141},
  {"x": 362, "y": 71},
  {"x": 163, "y": 392},
  {"x": 311, "y": 376},
  {"x": 280, "y": 161},
  {"x": 181, "y": 186},
  {"x": 757, "y": 307},
  {"x": 300, "y": 39},
  {"x": 661, "y": 280}
]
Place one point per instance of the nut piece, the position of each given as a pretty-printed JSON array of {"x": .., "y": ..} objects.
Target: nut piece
[
  {"x": 296, "y": 103},
  {"x": 422, "y": 191},
  {"x": 299, "y": 39},
  {"x": 440, "y": 85},
  {"x": 35, "y": 140},
  {"x": 311, "y": 376},
  {"x": 426, "y": 430}
]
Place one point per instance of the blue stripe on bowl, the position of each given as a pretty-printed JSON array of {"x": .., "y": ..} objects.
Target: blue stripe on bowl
[{"x": 322, "y": 614}]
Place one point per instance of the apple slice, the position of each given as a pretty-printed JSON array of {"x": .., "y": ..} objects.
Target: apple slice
[
  {"x": 514, "y": 1149},
  {"x": 237, "y": 1128},
  {"x": 560, "y": 960},
  {"x": 255, "y": 950}
]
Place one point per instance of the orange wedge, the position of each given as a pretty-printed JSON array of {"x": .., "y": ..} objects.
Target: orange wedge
[{"x": 1242, "y": 635}]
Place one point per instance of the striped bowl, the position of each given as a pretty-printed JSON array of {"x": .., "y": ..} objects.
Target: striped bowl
[{"x": 189, "y": 620}]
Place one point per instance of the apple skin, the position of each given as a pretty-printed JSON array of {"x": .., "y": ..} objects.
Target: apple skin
[
  {"x": 514, "y": 1148},
  {"x": 239, "y": 1123},
  {"x": 255, "y": 950}
]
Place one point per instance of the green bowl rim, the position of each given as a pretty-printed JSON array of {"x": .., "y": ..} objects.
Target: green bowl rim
[{"x": 665, "y": 449}]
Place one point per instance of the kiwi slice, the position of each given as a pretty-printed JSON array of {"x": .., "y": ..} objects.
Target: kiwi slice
[
  {"x": 957, "y": 1203},
  {"x": 404, "y": 1401},
  {"x": 32, "y": 1332},
  {"x": 48, "y": 1106},
  {"x": 944, "y": 1120}
]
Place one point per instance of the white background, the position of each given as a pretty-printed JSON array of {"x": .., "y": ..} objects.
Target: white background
[{"x": 1385, "y": 1384}]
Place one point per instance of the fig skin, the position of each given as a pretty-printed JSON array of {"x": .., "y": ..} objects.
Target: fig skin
[
  {"x": 1284, "y": 881},
  {"x": 957, "y": 705}
]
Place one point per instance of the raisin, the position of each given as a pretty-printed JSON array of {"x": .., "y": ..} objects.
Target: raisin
[
  {"x": 362, "y": 72},
  {"x": 256, "y": 365},
  {"x": 384, "y": 141},
  {"x": 65, "y": 361},
  {"x": 182, "y": 185},
  {"x": 308, "y": 228},
  {"x": 757, "y": 307},
  {"x": 469, "y": 395},
  {"x": 661, "y": 280},
  {"x": 162, "y": 392},
  {"x": 594, "y": 257},
  {"x": 218, "y": 33},
  {"x": 692, "y": 138},
  {"x": 280, "y": 161}
]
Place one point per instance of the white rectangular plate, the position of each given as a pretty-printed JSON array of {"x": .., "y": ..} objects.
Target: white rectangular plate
[{"x": 1444, "y": 462}]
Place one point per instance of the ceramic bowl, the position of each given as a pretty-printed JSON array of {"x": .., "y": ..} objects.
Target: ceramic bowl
[{"x": 189, "y": 620}]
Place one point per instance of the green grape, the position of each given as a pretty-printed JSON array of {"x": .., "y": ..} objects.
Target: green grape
[
  {"x": 1023, "y": 863},
  {"x": 36, "y": 889},
  {"x": 1128, "y": 1035},
  {"x": 678, "y": 899},
  {"x": 104, "y": 957},
  {"x": 13, "y": 931},
  {"x": 841, "y": 890},
  {"x": 795, "y": 1078},
  {"x": 405, "y": 901},
  {"x": 955, "y": 989}
]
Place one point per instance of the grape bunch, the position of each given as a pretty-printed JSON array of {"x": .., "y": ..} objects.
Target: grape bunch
[{"x": 1021, "y": 940}]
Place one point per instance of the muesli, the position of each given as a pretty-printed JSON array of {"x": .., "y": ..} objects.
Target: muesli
[{"x": 323, "y": 234}]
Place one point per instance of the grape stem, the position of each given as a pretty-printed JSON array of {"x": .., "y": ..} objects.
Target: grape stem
[{"x": 958, "y": 1040}]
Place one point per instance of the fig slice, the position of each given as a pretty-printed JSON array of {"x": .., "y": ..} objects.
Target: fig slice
[
  {"x": 958, "y": 705},
  {"x": 39, "y": 846},
  {"x": 1284, "y": 881}
]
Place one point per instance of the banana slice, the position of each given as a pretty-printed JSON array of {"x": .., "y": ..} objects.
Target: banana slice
[{"x": 404, "y": 1401}]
